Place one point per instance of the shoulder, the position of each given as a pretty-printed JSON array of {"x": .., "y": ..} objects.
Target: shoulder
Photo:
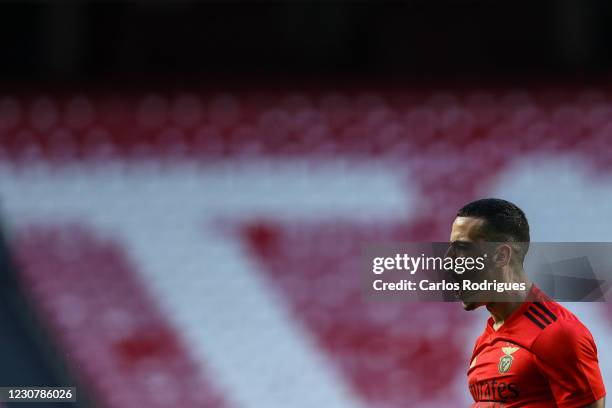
[
  {"x": 564, "y": 336},
  {"x": 565, "y": 352}
]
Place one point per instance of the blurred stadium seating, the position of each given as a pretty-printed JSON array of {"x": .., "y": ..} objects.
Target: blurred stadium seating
[{"x": 194, "y": 249}]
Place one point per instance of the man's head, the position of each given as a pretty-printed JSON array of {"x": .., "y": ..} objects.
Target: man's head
[{"x": 491, "y": 220}]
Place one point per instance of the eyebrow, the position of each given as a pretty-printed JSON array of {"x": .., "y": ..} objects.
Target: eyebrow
[{"x": 461, "y": 243}]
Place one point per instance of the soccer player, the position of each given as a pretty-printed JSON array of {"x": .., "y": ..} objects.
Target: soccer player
[{"x": 533, "y": 353}]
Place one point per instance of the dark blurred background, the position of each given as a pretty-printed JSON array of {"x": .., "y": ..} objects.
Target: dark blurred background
[{"x": 469, "y": 40}]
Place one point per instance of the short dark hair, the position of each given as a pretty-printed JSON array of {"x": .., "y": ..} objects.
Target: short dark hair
[{"x": 504, "y": 221}]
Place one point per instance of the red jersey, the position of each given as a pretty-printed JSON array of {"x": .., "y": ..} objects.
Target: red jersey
[{"x": 541, "y": 357}]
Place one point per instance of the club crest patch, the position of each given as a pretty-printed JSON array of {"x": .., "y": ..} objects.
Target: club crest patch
[{"x": 505, "y": 361}]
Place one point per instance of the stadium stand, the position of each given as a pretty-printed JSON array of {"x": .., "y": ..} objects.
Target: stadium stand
[
  {"x": 251, "y": 124},
  {"x": 106, "y": 317}
]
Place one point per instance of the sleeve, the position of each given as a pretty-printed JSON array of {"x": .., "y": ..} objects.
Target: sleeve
[{"x": 566, "y": 354}]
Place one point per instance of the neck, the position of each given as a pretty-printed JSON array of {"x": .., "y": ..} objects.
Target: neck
[{"x": 501, "y": 310}]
